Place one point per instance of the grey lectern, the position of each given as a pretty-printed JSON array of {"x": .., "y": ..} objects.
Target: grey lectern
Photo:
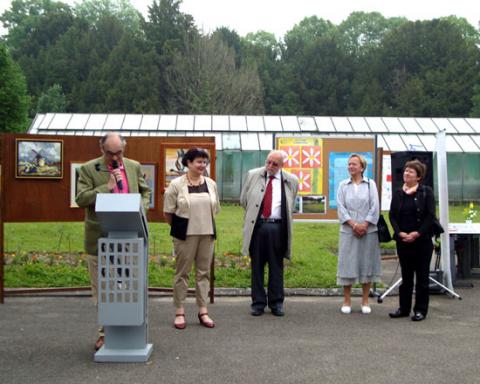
[{"x": 123, "y": 278}]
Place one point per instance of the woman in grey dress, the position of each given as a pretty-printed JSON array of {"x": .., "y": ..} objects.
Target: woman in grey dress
[{"x": 359, "y": 249}]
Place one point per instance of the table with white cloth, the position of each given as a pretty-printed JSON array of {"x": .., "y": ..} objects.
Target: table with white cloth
[{"x": 464, "y": 250}]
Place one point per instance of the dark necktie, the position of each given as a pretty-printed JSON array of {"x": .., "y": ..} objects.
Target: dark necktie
[{"x": 267, "y": 199}]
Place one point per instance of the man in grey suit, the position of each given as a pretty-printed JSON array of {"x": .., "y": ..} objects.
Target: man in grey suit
[{"x": 268, "y": 197}]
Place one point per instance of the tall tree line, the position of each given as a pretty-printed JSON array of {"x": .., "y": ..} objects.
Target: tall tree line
[{"x": 103, "y": 56}]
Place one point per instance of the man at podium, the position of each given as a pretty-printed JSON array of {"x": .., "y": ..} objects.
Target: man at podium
[{"x": 109, "y": 173}]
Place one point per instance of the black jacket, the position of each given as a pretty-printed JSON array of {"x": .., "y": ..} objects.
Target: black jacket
[{"x": 425, "y": 202}]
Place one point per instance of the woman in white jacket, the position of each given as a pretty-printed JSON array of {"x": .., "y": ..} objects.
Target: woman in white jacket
[{"x": 190, "y": 204}]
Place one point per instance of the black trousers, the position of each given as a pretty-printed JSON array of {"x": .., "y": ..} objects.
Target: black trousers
[
  {"x": 415, "y": 260},
  {"x": 265, "y": 248}
]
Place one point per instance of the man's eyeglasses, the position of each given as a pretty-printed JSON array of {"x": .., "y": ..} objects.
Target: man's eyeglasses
[
  {"x": 111, "y": 154},
  {"x": 270, "y": 162}
]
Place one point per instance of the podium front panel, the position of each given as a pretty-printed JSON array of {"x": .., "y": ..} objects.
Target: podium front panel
[{"x": 121, "y": 281}]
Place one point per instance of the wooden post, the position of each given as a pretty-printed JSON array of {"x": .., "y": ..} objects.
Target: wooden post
[{"x": 2, "y": 207}]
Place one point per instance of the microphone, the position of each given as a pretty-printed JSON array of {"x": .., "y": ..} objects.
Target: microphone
[{"x": 119, "y": 182}]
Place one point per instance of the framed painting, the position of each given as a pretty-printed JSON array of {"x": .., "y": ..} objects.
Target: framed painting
[
  {"x": 38, "y": 159},
  {"x": 74, "y": 173},
  {"x": 149, "y": 172}
]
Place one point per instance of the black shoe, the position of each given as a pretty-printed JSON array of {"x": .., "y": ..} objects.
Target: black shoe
[
  {"x": 398, "y": 313},
  {"x": 418, "y": 316},
  {"x": 256, "y": 312},
  {"x": 278, "y": 312}
]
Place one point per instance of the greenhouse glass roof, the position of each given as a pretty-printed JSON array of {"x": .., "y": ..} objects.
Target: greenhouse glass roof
[{"x": 257, "y": 132}]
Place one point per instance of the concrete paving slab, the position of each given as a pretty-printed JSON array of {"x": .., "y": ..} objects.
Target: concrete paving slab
[{"x": 50, "y": 340}]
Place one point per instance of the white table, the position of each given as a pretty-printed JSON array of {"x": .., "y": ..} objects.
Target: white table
[
  {"x": 464, "y": 228},
  {"x": 464, "y": 243}
]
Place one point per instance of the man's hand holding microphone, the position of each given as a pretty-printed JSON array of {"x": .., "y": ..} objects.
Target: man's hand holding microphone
[{"x": 115, "y": 177}]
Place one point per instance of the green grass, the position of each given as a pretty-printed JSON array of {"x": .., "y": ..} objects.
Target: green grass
[
  {"x": 38, "y": 275},
  {"x": 51, "y": 254}
]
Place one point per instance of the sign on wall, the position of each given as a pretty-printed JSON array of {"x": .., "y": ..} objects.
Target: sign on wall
[
  {"x": 304, "y": 160},
  {"x": 386, "y": 183},
  {"x": 338, "y": 171}
]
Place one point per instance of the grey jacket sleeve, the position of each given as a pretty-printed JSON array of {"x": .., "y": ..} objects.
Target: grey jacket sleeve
[
  {"x": 374, "y": 211},
  {"x": 342, "y": 212}
]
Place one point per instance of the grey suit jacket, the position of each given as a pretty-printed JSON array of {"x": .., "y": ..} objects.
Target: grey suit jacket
[{"x": 251, "y": 200}]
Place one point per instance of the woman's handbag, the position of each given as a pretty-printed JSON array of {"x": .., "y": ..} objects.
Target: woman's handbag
[
  {"x": 178, "y": 229},
  {"x": 383, "y": 232},
  {"x": 437, "y": 228},
  {"x": 384, "y": 235}
]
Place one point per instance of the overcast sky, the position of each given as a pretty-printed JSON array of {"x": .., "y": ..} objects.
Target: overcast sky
[{"x": 279, "y": 16}]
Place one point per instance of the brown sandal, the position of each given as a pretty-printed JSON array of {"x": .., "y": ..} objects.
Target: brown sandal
[
  {"x": 180, "y": 325},
  {"x": 208, "y": 324}
]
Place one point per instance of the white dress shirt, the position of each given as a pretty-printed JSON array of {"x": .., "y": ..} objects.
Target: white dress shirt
[{"x": 276, "y": 197}]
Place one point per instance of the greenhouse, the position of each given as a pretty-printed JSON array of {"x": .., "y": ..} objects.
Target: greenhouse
[{"x": 242, "y": 142}]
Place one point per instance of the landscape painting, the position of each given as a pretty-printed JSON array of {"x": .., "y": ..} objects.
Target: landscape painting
[{"x": 40, "y": 159}]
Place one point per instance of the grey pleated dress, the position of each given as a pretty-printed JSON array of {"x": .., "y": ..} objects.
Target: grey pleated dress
[{"x": 358, "y": 258}]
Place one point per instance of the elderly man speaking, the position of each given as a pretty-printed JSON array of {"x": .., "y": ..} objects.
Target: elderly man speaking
[
  {"x": 110, "y": 173},
  {"x": 268, "y": 197}
]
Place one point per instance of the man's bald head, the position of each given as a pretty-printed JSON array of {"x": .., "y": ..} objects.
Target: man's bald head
[{"x": 112, "y": 146}]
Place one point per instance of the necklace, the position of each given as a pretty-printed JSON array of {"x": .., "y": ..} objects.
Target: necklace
[{"x": 191, "y": 184}]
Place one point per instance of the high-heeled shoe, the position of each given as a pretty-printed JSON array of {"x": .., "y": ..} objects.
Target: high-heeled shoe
[
  {"x": 208, "y": 324},
  {"x": 180, "y": 325}
]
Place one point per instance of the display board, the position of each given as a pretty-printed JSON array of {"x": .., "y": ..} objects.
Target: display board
[
  {"x": 320, "y": 163},
  {"x": 38, "y": 174},
  {"x": 39, "y": 178}
]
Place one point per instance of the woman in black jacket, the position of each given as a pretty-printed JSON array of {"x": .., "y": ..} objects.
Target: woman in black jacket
[{"x": 412, "y": 212}]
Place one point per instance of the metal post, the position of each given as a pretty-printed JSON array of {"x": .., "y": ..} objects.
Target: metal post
[{"x": 443, "y": 206}]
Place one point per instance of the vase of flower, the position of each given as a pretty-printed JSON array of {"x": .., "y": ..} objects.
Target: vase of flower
[{"x": 470, "y": 213}]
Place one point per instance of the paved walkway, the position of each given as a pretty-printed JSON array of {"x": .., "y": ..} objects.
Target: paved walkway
[{"x": 50, "y": 340}]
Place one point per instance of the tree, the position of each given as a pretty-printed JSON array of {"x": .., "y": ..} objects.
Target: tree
[
  {"x": 53, "y": 100},
  {"x": 205, "y": 80},
  {"x": 127, "y": 82},
  {"x": 95, "y": 10},
  {"x": 81, "y": 51},
  {"x": 14, "y": 102},
  {"x": 167, "y": 31},
  {"x": 307, "y": 32},
  {"x": 319, "y": 69},
  {"x": 262, "y": 50},
  {"x": 475, "y": 112},
  {"x": 434, "y": 57},
  {"x": 168, "y": 28},
  {"x": 467, "y": 30},
  {"x": 363, "y": 32},
  {"x": 34, "y": 24},
  {"x": 33, "y": 27},
  {"x": 232, "y": 40}
]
